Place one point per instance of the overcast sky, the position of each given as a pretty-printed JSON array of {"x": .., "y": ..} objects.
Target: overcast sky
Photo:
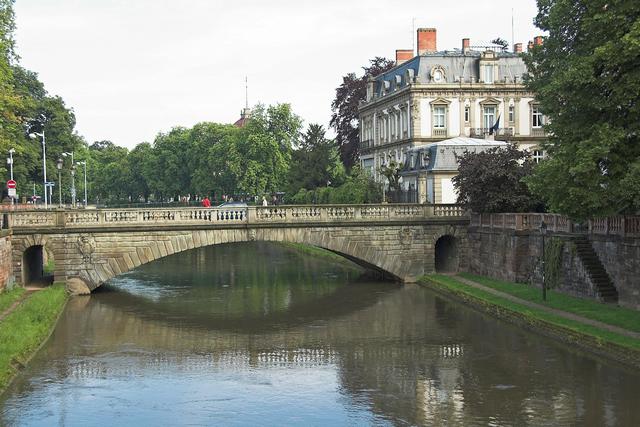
[{"x": 133, "y": 68}]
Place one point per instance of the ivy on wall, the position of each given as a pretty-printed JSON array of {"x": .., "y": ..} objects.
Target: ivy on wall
[{"x": 553, "y": 261}]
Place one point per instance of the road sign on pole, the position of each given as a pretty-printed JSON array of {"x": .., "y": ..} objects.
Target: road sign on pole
[
  {"x": 11, "y": 184},
  {"x": 11, "y": 192}
]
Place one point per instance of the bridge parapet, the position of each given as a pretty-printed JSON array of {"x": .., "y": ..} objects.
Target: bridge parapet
[{"x": 252, "y": 215}]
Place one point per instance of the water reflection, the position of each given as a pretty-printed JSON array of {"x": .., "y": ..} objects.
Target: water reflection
[{"x": 256, "y": 334}]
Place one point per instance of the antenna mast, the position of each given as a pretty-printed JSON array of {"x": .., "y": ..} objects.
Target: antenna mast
[
  {"x": 246, "y": 92},
  {"x": 513, "y": 40},
  {"x": 413, "y": 35}
]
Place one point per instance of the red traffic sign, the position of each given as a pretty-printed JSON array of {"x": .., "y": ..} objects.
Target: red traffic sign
[{"x": 11, "y": 184}]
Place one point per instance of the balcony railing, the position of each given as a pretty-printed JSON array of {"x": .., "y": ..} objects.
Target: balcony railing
[
  {"x": 538, "y": 132},
  {"x": 482, "y": 133},
  {"x": 440, "y": 132},
  {"x": 366, "y": 144}
]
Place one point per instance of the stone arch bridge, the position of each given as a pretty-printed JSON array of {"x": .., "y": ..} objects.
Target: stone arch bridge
[{"x": 91, "y": 246}]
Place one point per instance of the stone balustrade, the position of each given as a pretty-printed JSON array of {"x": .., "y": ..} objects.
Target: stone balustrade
[
  {"x": 616, "y": 225},
  {"x": 232, "y": 215}
]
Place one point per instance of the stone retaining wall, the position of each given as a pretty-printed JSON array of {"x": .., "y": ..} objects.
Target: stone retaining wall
[
  {"x": 515, "y": 256},
  {"x": 621, "y": 258},
  {"x": 6, "y": 276}
]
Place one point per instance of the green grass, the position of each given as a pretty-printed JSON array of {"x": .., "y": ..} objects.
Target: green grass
[
  {"x": 24, "y": 330},
  {"x": 612, "y": 315},
  {"x": 49, "y": 267},
  {"x": 9, "y": 297},
  {"x": 450, "y": 284}
]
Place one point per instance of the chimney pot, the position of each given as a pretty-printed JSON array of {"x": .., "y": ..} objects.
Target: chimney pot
[
  {"x": 517, "y": 48},
  {"x": 403, "y": 55},
  {"x": 426, "y": 40},
  {"x": 466, "y": 45}
]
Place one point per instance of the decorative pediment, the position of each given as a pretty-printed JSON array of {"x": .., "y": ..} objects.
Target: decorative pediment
[
  {"x": 490, "y": 101},
  {"x": 440, "y": 101}
]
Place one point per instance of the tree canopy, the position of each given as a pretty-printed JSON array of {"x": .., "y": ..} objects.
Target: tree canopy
[
  {"x": 586, "y": 76},
  {"x": 344, "y": 119},
  {"x": 492, "y": 181}
]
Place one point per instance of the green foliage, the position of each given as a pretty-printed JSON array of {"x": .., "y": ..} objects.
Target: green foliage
[
  {"x": 492, "y": 181},
  {"x": 7, "y": 298},
  {"x": 316, "y": 162},
  {"x": 553, "y": 262},
  {"x": 613, "y": 315},
  {"x": 536, "y": 315},
  {"x": 344, "y": 119},
  {"x": 358, "y": 187},
  {"x": 587, "y": 79},
  {"x": 22, "y": 332}
]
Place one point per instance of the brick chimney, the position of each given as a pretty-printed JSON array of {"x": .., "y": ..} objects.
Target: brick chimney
[
  {"x": 426, "y": 40},
  {"x": 529, "y": 46},
  {"x": 466, "y": 45},
  {"x": 403, "y": 55},
  {"x": 537, "y": 41},
  {"x": 517, "y": 48}
]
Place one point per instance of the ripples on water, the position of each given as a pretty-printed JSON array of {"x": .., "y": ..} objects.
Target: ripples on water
[{"x": 258, "y": 334}]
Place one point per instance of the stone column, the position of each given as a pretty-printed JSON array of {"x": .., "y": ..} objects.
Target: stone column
[
  {"x": 516, "y": 126},
  {"x": 461, "y": 102},
  {"x": 422, "y": 187}
]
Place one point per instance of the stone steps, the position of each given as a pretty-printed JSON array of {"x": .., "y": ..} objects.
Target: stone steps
[{"x": 605, "y": 288}]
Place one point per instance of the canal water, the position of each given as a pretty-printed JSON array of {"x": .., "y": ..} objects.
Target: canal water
[{"x": 261, "y": 334}]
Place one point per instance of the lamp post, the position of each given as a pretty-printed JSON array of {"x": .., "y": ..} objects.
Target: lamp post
[
  {"x": 34, "y": 135},
  {"x": 543, "y": 232},
  {"x": 84, "y": 163},
  {"x": 73, "y": 178},
  {"x": 59, "y": 167},
  {"x": 10, "y": 163}
]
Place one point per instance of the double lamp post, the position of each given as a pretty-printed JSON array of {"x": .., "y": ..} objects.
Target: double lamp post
[{"x": 59, "y": 164}]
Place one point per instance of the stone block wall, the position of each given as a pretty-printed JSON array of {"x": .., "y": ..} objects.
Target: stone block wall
[
  {"x": 515, "y": 256},
  {"x": 621, "y": 258},
  {"x": 6, "y": 276}
]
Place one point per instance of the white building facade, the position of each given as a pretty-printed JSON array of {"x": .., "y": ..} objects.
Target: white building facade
[{"x": 475, "y": 92}]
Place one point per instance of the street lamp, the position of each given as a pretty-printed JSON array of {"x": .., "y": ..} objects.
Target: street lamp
[
  {"x": 543, "y": 233},
  {"x": 59, "y": 167},
  {"x": 34, "y": 135},
  {"x": 73, "y": 179},
  {"x": 84, "y": 163},
  {"x": 10, "y": 162}
]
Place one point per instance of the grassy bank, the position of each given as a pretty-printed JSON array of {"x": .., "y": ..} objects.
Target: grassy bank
[
  {"x": 24, "y": 330},
  {"x": 9, "y": 297},
  {"x": 612, "y": 315},
  {"x": 621, "y": 347}
]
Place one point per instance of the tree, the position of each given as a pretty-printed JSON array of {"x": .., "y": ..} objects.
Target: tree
[
  {"x": 316, "y": 162},
  {"x": 344, "y": 119},
  {"x": 587, "y": 80},
  {"x": 500, "y": 42},
  {"x": 492, "y": 181}
]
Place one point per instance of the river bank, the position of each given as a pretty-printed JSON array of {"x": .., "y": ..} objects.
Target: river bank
[
  {"x": 27, "y": 327},
  {"x": 608, "y": 331}
]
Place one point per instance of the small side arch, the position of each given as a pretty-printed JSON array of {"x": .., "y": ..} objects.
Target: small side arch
[
  {"x": 446, "y": 254},
  {"x": 34, "y": 261}
]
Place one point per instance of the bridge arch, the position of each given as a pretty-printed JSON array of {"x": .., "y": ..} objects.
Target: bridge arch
[
  {"x": 109, "y": 258},
  {"x": 447, "y": 254}
]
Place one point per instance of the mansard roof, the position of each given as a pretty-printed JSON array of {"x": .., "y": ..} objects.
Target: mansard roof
[{"x": 457, "y": 66}]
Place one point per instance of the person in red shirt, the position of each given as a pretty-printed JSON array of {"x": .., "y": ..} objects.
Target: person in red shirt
[{"x": 206, "y": 202}]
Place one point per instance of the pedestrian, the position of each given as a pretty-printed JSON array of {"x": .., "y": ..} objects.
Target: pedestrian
[
  {"x": 206, "y": 203},
  {"x": 264, "y": 201}
]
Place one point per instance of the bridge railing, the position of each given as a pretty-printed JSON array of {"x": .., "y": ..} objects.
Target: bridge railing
[
  {"x": 231, "y": 215},
  {"x": 615, "y": 225}
]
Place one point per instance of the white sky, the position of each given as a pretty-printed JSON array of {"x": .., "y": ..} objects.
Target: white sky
[{"x": 131, "y": 69}]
